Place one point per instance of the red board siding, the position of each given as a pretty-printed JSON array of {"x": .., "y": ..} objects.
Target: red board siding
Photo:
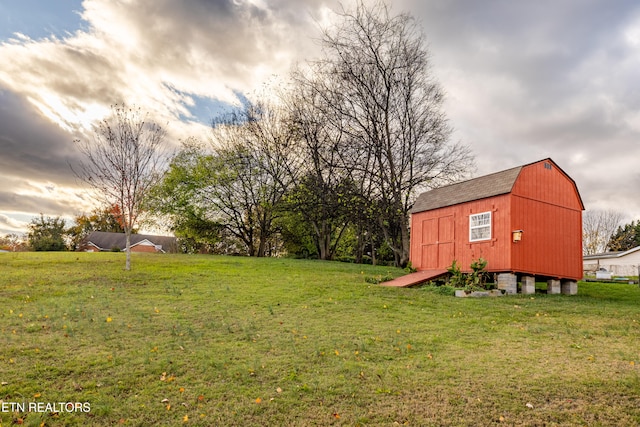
[
  {"x": 545, "y": 182},
  {"x": 444, "y": 236},
  {"x": 547, "y": 207},
  {"x": 551, "y": 242}
]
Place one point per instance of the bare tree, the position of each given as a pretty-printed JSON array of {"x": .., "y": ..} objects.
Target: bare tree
[
  {"x": 123, "y": 162},
  {"x": 598, "y": 227},
  {"x": 321, "y": 184},
  {"x": 253, "y": 170},
  {"x": 377, "y": 80}
]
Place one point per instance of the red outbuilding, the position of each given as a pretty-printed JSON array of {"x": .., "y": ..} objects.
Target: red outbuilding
[{"x": 526, "y": 222}]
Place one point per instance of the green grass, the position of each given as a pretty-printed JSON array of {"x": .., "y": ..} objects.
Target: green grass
[{"x": 205, "y": 340}]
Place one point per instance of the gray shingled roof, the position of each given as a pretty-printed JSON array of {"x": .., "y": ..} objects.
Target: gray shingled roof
[
  {"x": 107, "y": 241},
  {"x": 482, "y": 187}
]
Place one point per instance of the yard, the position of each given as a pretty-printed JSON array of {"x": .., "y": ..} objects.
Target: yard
[{"x": 207, "y": 340}]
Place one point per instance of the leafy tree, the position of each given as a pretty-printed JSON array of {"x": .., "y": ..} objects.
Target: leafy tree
[
  {"x": 47, "y": 234},
  {"x": 297, "y": 239},
  {"x": 324, "y": 207},
  {"x": 181, "y": 196},
  {"x": 123, "y": 163},
  {"x": 626, "y": 237}
]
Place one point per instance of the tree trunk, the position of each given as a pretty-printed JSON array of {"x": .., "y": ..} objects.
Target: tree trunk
[
  {"x": 360, "y": 243},
  {"x": 127, "y": 233},
  {"x": 373, "y": 251},
  {"x": 404, "y": 241},
  {"x": 323, "y": 239},
  {"x": 262, "y": 246}
]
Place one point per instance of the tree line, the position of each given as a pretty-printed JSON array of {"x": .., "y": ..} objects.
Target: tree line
[
  {"x": 329, "y": 164},
  {"x": 326, "y": 166}
]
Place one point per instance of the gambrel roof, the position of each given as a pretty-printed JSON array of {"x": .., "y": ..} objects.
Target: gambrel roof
[{"x": 491, "y": 185}]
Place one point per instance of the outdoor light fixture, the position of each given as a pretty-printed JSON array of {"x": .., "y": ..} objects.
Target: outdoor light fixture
[{"x": 517, "y": 236}]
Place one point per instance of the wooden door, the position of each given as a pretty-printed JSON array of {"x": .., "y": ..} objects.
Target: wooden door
[{"x": 438, "y": 247}]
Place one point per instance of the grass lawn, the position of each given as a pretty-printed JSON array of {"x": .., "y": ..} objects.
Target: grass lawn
[{"x": 207, "y": 341}]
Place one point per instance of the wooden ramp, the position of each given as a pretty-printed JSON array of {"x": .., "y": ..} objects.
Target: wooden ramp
[{"x": 414, "y": 279}]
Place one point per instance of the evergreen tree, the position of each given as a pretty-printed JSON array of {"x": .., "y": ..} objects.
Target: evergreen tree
[{"x": 626, "y": 237}]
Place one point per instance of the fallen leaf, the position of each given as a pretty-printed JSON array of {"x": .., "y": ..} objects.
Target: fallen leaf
[
  {"x": 168, "y": 407},
  {"x": 37, "y": 395},
  {"x": 185, "y": 418},
  {"x": 200, "y": 398},
  {"x": 258, "y": 400},
  {"x": 181, "y": 389}
]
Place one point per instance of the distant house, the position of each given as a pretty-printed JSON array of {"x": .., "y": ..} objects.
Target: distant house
[
  {"x": 525, "y": 221},
  {"x": 622, "y": 263},
  {"x": 100, "y": 241}
]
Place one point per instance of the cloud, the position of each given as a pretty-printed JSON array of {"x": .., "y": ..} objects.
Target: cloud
[
  {"x": 9, "y": 225},
  {"x": 31, "y": 147},
  {"x": 539, "y": 79},
  {"x": 158, "y": 55},
  {"x": 525, "y": 80}
]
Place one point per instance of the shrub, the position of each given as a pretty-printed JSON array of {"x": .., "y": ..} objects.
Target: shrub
[{"x": 475, "y": 280}]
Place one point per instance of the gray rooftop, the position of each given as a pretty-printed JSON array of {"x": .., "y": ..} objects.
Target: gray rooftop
[
  {"x": 482, "y": 187},
  {"x": 108, "y": 241}
]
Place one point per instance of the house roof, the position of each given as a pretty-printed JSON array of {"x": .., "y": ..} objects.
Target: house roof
[
  {"x": 617, "y": 254},
  {"x": 107, "y": 241},
  {"x": 482, "y": 187},
  {"x": 491, "y": 185}
]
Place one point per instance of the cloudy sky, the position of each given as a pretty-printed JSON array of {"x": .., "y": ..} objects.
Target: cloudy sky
[{"x": 524, "y": 81}]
